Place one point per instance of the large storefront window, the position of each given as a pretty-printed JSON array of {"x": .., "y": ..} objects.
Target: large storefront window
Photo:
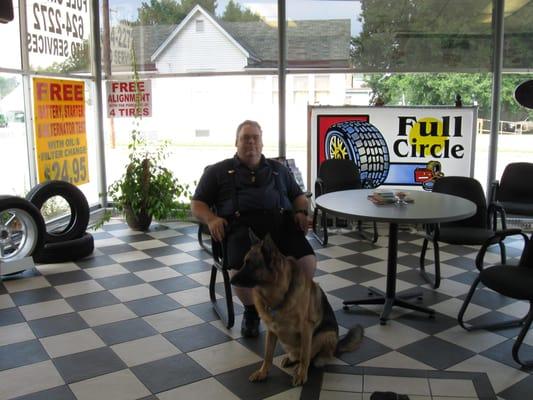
[
  {"x": 208, "y": 68},
  {"x": 195, "y": 116},
  {"x": 15, "y": 176},
  {"x": 211, "y": 64},
  {"x": 58, "y": 35},
  {"x": 11, "y": 56},
  {"x": 190, "y": 36}
]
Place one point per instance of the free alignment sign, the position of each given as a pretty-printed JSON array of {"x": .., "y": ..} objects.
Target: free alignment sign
[{"x": 126, "y": 99}]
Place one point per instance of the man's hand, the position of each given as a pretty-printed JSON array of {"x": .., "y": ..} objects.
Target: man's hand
[
  {"x": 301, "y": 221},
  {"x": 217, "y": 226}
]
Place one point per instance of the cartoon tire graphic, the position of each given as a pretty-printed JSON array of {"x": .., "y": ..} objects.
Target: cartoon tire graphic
[
  {"x": 79, "y": 208},
  {"x": 21, "y": 228},
  {"x": 363, "y": 143}
]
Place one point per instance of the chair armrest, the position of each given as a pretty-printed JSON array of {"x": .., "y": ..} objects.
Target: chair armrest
[
  {"x": 320, "y": 187},
  {"x": 493, "y": 210},
  {"x": 220, "y": 253},
  {"x": 495, "y": 207},
  {"x": 498, "y": 237},
  {"x": 493, "y": 191}
]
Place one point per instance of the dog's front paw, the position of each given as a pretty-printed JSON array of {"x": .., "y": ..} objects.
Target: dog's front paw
[
  {"x": 259, "y": 375},
  {"x": 299, "y": 378}
]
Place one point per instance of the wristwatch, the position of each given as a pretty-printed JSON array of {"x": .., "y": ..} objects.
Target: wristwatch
[{"x": 301, "y": 210}]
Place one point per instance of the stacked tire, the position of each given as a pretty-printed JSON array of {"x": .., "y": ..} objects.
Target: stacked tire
[{"x": 71, "y": 242}]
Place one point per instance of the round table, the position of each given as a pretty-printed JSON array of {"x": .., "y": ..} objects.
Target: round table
[{"x": 426, "y": 208}]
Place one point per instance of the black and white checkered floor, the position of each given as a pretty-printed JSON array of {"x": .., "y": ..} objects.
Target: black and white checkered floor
[{"x": 134, "y": 321}]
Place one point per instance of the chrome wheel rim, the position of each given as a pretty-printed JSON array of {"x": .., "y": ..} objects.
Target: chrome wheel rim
[{"x": 18, "y": 234}]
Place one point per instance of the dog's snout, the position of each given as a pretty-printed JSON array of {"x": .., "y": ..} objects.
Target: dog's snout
[{"x": 244, "y": 278}]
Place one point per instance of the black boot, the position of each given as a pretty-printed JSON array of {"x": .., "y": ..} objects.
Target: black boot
[{"x": 250, "y": 322}]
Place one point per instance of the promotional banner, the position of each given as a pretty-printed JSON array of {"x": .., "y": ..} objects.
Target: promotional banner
[
  {"x": 60, "y": 134},
  {"x": 129, "y": 98},
  {"x": 401, "y": 146}
]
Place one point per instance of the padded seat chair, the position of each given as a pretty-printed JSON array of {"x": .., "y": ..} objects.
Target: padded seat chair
[
  {"x": 475, "y": 230},
  {"x": 511, "y": 281},
  {"x": 514, "y": 192},
  {"x": 335, "y": 175}
]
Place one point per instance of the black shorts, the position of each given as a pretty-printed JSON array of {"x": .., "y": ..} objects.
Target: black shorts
[{"x": 286, "y": 234}]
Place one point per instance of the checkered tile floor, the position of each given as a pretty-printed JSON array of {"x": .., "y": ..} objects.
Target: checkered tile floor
[{"x": 134, "y": 321}]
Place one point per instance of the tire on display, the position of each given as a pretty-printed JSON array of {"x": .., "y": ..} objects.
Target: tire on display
[
  {"x": 69, "y": 250},
  {"x": 79, "y": 208},
  {"x": 364, "y": 144},
  {"x": 22, "y": 228}
]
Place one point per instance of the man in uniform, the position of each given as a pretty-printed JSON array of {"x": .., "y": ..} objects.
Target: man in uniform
[{"x": 249, "y": 191}]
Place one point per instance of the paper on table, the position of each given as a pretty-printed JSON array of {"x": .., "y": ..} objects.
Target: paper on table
[{"x": 384, "y": 198}]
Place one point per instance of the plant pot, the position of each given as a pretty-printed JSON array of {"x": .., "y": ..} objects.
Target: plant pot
[{"x": 139, "y": 221}]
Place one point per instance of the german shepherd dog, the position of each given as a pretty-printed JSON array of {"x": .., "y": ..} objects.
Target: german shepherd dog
[{"x": 294, "y": 309}]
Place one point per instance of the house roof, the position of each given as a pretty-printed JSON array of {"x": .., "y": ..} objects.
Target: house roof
[{"x": 311, "y": 43}]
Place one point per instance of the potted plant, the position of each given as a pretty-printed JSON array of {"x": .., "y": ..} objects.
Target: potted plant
[{"x": 147, "y": 189}]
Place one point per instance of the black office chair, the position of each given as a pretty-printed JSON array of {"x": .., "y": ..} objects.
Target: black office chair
[
  {"x": 335, "y": 175},
  {"x": 475, "y": 230},
  {"x": 511, "y": 281},
  {"x": 220, "y": 264},
  {"x": 218, "y": 251},
  {"x": 514, "y": 192}
]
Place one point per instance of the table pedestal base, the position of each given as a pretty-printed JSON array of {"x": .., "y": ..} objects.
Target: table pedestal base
[
  {"x": 379, "y": 297},
  {"x": 390, "y": 299}
]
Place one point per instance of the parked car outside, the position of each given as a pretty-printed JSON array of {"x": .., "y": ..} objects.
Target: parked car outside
[{"x": 3, "y": 121}]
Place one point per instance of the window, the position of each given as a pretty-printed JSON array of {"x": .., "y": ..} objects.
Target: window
[
  {"x": 59, "y": 36},
  {"x": 322, "y": 89},
  {"x": 15, "y": 179},
  {"x": 259, "y": 89},
  {"x": 11, "y": 48},
  {"x": 300, "y": 92},
  {"x": 199, "y": 25},
  {"x": 275, "y": 90}
]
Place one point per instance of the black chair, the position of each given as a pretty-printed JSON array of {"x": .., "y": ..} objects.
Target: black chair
[
  {"x": 511, "y": 281},
  {"x": 218, "y": 251},
  {"x": 335, "y": 175},
  {"x": 227, "y": 314},
  {"x": 514, "y": 192},
  {"x": 203, "y": 230},
  {"x": 475, "y": 230}
]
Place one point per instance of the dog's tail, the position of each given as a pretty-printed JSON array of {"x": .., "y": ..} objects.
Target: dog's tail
[{"x": 351, "y": 341}]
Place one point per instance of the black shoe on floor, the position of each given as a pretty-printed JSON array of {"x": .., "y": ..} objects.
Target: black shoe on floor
[{"x": 250, "y": 324}]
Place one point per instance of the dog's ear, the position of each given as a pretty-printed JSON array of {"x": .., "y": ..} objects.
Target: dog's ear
[
  {"x": 268, "y": 244},
  {"x": 253, "y": 238},
  {"x": 267, "y": 250}
]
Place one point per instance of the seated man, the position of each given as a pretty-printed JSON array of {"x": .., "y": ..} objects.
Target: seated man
[{"x": 250, "y": 191}]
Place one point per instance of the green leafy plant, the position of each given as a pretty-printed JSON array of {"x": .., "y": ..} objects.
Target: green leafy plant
[{"x": 147, "y": 187}]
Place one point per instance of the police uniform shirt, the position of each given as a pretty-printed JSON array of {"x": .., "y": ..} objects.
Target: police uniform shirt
[{"x": 255, "y": 189}]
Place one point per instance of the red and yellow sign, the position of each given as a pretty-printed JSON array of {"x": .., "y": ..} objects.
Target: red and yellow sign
[{"x": 60, "y": 134}]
